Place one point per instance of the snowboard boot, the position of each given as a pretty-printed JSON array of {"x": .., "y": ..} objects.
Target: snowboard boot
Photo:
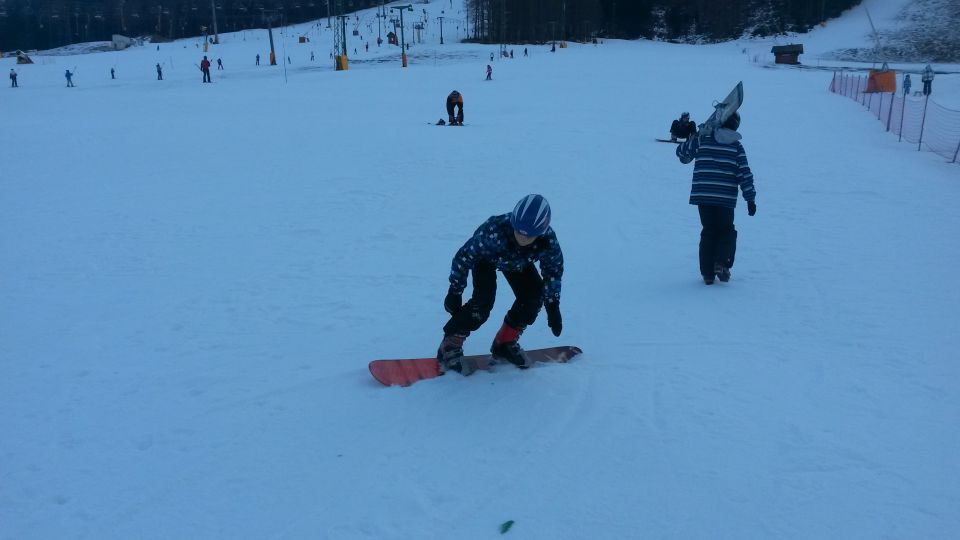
[
  {"x": 505, "y": 346},
  {"x": 722, "y": 272},
  {"x": 450, "y": 355},
  {"x": 708, "y": 279}
]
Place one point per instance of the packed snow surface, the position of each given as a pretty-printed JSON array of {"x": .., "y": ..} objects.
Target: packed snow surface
[{"x": 194, "y": 276}]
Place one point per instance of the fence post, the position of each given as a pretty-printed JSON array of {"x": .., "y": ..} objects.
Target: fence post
[
  {"x": 923, "y": 122},
  {"x": 955, "y": 152},
  {"x": 902, "y": 110},
  {"x": 870, "y": 103},
  {"x": 893, "y": 99}
]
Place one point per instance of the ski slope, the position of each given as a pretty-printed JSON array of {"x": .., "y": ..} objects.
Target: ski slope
[{"x": 194, "y": 277}]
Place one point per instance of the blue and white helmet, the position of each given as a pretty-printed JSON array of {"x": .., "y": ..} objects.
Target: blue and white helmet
[{"x": 531, "y": 216}]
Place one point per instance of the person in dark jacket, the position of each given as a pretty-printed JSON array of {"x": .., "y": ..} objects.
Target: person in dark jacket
[
  {"x": 69, "y": 77},
  {"x": 205, "y": 68},
  {"x": 13, "y": 79},
  {"x": 510, "y": 243},
  {"x": 159, "y": 72},
  {"x": 721, "y": 167},
  {"x": 684, "y": 128},
  {"x": 906, "y": 84},
  {"x": 455, "y": 101}
]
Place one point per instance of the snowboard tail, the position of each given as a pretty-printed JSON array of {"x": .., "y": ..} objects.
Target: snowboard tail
[
  {"x": 723, "y": 110},
  {"x": 404, "y": 372}
]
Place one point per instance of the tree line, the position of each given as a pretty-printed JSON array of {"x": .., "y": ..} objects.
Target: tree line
[
  {"x": 539, "y": 21},
  {"x": 43, "y": 24}
]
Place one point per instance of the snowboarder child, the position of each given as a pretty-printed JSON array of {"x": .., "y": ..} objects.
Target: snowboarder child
[
  {"x": 510, "y": 243},
  {"x": 455, "y": 100},
  {"x": 13, "y": 79},
  {"x": 684, "y": 128},
  {"x": 721, "y": 167}
]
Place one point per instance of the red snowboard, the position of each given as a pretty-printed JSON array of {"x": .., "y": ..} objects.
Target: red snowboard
[{"x": 409, "y": 371}]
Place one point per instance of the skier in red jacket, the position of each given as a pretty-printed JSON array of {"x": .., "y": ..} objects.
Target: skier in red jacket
[{"x": 205, "y": 68}]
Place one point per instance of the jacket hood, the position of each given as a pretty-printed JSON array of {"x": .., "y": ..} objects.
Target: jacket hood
[{"x": 726, "y": 136}]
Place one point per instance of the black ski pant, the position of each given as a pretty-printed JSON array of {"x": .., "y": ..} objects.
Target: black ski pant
[
  {"x": 206, "y": 75},
  {"x": 718, "y": 238},
  {"x": 527, "y": 286},
  {"x": 450, "y": 108},
  {"x": 927, "y": 87}
]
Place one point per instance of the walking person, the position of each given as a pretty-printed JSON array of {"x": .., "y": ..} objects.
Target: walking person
[
  {"x": 69, "y": 77},
  {"x": 489, "y": 72},
  {"x": 159, "y": 72},
  {"x": 113, "y": 73},
  {"x": 927, "y": 79},
  {"x": 258, "y": 59},
  {"x": 906, "y": 85},
  {"x": 510, "y": 243},
  {"x": 219, "y": 64},
  {"x": 205, "y": 68},
  {"x": 13, "y": 79},
  {"x": 721, "y": 167}
]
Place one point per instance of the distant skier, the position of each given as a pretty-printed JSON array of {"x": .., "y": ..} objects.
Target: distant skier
[
  {"x": 721, "y": 167},
  {"x": 927, "y": 79},
  {"x": 489, "y": 72},
  {"x": 510, "y": 243},
  {"x": 455, "y": 100},
  {"x": 113, "y": 73},
  {"x": 311, "y": 56},
  {"x": 205, "y": 68},
  {"x": 684, "y": 128},
  {"x": 367, "y": 46},
  {"x": 906, "y": 85},
  {"x": 491, "y": 57},
  {"x": 69, "y": 77},
  {"x": 219, "y": 64},
  {"x": 525, "y": 51},
  {"x": 13, "y": 79},
  {"x": 159, "y": 72},
  {"x": 258, "y": 58}
]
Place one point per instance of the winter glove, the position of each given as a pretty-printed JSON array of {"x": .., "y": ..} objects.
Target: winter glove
[
  {"x": 554, "y": 320},
  {"x": 751, "y": 208},
  {"x": 452, "y": 303}
]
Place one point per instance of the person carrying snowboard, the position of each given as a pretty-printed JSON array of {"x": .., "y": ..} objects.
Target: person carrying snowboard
[
  {"x": 684, "y": 128},
  {"x": 455, "y": 100},
  {"x": 510, "y": 243},
  {"x": 721, "y": 167}
]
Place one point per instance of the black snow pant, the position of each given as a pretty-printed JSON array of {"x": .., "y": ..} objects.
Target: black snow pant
[
  {"x": 206, "y": 75},
  {"x": 718, "y": 239},
  {"x": 927, "y": 88},
  {"x": 450, "y": 108},
  {"x": 527, "y": 286}
]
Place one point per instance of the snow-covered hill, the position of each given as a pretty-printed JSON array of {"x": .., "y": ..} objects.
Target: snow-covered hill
[{"x": 194, "y": 277}]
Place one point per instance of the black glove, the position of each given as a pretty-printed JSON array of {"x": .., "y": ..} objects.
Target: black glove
[
  {"x": 554, "y": 320},
  {"x": 452, "y": 303},
  {"x": 751, "y": 208}
]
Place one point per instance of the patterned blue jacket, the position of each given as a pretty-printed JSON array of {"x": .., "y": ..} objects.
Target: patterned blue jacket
[
  {"x": 493, "y": 242},
  {"x": 720, "y": 168}
]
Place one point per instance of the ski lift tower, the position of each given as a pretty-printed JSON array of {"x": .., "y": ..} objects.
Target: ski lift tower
[
  {"x": 403, "y": 41},
  {"x": 340, "y": 39}
]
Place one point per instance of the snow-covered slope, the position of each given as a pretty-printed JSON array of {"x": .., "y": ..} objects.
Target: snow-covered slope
[{"x": 194, "y": 277}]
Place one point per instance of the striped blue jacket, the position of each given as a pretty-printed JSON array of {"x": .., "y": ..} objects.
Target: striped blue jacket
[
  {"x": 720, "y": 168},
  {"x": 493, "y": 242}
]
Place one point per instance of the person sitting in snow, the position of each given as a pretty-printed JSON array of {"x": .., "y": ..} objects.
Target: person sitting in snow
[
  {"x": 720, "y": 169},
  {"x": 510, "y": 243},
  {"x": 454, "y": 101},
  {"x": 684, "y": 128}
]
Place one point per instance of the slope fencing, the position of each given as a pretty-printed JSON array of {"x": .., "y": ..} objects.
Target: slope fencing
[{"x": 914, "y": 119}]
